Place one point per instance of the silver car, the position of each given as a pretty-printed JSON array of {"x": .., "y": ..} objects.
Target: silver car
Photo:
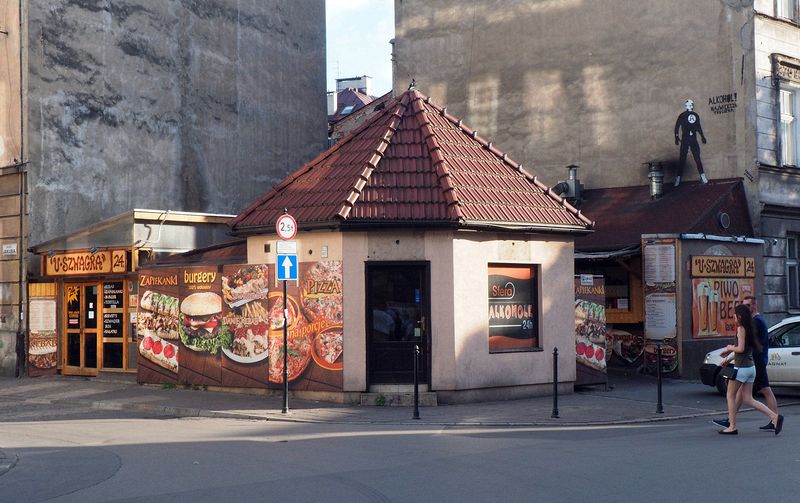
[{"x": 784, "y": 357}]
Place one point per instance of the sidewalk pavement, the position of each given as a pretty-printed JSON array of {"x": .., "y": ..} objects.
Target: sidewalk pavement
[{"x": 629, "y": 398}]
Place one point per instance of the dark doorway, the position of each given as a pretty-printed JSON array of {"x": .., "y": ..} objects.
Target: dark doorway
[{"x": 398, "y": 318}]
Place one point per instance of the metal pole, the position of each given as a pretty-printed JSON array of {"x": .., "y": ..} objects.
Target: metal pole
[
  {"x": 416, "y": 381},
  {"x": 555, "y": 383},
  {"x": 285, "y": 354},
  {"x": 660, "y": 405}
]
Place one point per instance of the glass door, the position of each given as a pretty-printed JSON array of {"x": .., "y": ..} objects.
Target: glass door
[
  {"x": 397, "y": 321},
  {"x": 81, "y": 342}
]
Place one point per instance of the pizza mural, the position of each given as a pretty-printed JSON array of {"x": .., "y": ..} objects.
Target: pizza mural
[{"x": 224, "y": 326}]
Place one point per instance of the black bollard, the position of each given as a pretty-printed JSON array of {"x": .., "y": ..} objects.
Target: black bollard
[
  {"x": 416, "y": 381},
  {"x": 555, "y": 383},
  {"x": 660, "y": 405}
]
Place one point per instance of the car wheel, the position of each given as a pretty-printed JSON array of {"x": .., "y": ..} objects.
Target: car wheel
[{"x": 722, "y": 385}]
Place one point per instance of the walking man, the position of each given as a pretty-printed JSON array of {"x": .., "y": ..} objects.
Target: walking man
[{"x": 760, "y": 359}]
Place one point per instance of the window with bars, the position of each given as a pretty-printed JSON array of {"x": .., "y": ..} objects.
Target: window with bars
[
  {"x": 792, "y": 271},
  {"x": 790, "y": 129}
]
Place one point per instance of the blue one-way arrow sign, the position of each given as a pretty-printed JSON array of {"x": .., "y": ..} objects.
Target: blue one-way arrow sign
[{"x": 287, "y": 267}]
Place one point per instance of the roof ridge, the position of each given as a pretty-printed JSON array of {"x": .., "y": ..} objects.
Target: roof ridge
[
  {"x": 437, "y": 159},
  {"x": 506, "y": 160},
  {"x": 370, "y": 166}
]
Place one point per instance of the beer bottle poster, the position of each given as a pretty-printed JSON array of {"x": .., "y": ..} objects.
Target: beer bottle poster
[
  {"x": 713, "y": 302},
  {"x": 513, "y": 323}
]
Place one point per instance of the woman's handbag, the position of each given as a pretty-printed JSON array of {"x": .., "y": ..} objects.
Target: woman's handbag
[{"x": 728, "y": 372}]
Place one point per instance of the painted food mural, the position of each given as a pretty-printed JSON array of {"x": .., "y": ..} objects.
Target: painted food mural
[{"x": 224, "y": 325}]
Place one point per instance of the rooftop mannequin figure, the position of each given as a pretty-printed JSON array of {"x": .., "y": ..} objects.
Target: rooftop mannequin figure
[{"x": 687, "y": 128}]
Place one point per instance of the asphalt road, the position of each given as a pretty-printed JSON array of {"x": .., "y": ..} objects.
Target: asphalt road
[{"x": 68, "y": 454}]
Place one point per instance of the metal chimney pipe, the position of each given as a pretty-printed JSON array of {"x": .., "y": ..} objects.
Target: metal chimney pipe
[
  {"x": 573, "y": 172},
  {"x": 656, "y": 175}
]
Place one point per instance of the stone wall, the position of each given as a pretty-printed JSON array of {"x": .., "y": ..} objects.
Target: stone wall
[{"x": 186, "y": 105}]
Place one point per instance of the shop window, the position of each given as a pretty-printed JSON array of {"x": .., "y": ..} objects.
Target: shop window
[
  {"x": 623, "y": 286},
  {"x": 513, "y": 308},
  {"x": 792, "y": 271},
  {"x": 790, "y": 129}
]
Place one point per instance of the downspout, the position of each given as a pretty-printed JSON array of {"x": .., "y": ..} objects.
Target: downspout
[{"x": 22, "y": 257}]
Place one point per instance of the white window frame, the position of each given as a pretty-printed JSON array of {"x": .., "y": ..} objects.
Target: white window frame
[
  {"x": 786, "y": 9},
  {"x": 789, "y": 111},
  {"x": 793, "y": 271}
]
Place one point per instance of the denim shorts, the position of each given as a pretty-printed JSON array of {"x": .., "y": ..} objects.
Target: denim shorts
[{"x": 745, "y": 374}]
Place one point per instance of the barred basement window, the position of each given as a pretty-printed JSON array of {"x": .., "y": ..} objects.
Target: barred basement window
[{"x": 792, "y": 271}]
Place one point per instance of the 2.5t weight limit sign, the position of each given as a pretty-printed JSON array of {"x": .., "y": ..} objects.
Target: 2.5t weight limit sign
[{"x": 286, "y": 227}]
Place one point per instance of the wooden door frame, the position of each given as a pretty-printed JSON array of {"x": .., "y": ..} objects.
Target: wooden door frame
[{"x": 81, "y": 370}]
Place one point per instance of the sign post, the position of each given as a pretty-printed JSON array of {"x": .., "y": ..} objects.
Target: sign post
[{"x": 286, "y": 266}]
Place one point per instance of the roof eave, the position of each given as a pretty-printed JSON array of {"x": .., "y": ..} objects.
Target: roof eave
[{"x": 527, "y": 227}]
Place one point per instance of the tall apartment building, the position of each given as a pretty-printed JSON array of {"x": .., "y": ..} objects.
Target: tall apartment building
[
  {"x": 184, "y": 106},
  {"x": 603, "y": 85}
]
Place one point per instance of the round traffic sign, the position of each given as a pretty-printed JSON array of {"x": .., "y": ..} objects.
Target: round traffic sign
[{"x": 286, "y": 227}]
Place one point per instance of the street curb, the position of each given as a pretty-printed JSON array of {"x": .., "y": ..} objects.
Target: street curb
[{"x": 197, "y": 412}]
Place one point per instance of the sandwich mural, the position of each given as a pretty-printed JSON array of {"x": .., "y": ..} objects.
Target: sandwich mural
[{"x": 223, "y": 326}]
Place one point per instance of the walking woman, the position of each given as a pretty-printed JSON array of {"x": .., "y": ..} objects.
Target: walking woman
[{"x": 742, "y": 356}]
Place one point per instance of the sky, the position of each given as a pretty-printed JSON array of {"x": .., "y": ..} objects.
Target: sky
[{"x": 358, "y": 34}]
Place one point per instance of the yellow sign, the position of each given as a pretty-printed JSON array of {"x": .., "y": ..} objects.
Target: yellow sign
[
  {"x": 708, "y": 266},
  {"x": 86, "y": 262}
]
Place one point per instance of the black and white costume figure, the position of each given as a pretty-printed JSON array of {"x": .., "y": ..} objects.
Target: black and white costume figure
[{"x": 687, "y": 128}]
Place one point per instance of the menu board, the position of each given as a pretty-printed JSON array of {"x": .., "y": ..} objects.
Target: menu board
[
  {"x": 113, "y": 295},
  {"x": 112, "y": 324}
]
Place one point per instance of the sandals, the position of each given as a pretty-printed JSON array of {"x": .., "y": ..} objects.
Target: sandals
[{"x": 725, "y": 432}]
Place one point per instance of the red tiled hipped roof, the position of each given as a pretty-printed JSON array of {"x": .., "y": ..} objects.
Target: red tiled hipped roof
[
  {"x": 413, "y": 164},
  {"x": 625, "y": 213}
]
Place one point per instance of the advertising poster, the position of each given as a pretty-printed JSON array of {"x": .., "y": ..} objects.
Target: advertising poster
[
  {"x": 669, "y": 355},
  {"x": 157, "y": 321},
  {"x": 625, "y": 347},
  {"x": 42, "y": 338},
  {"x": 713, "y": 303},
  {"x": 590, "y": 330},
  {"x": 513, "y": 324},
  {"x": 227, "y": 326}
]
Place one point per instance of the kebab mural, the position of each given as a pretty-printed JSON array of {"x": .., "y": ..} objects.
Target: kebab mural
[{"x": 223, "y": 326}]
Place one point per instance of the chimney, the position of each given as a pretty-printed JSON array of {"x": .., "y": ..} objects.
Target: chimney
[
  {"x": 332, "y": 102},
  {"x": 572, "y": 187},
  {"x": 655, "y": 172}
]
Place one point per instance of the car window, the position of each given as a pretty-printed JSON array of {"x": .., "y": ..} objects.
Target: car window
[
  {"x": 785, "y": 336},
  {"x": 792, "y": 337}
]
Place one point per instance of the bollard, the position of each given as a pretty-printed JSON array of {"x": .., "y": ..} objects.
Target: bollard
[
  {"x": 416, "y": 381},
  {"x": 555, "y": 383},
  {"x": 659, "y": 405}
]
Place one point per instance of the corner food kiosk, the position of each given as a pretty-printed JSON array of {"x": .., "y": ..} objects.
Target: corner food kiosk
[
  {"x": 412, "y": 231},
  {"x": 82, "y": 301}
]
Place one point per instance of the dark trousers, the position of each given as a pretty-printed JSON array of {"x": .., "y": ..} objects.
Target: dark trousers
[{"x": 686, "y": 144}]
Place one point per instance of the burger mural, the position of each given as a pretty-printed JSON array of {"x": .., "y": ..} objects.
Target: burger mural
[
  {"x": 223, "y": 326},
  {"x": 202, "y": 328}
]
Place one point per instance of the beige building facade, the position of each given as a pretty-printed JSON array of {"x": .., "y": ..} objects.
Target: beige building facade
[{"x": 602, "y": 85}]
